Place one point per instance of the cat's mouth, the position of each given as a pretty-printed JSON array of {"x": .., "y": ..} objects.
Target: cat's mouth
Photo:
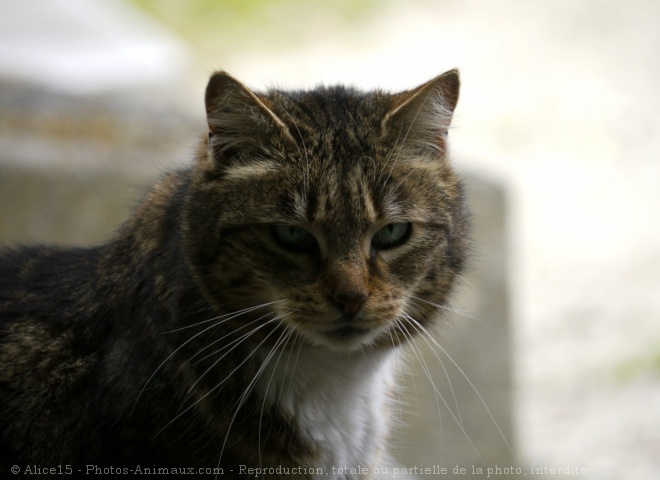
[
  {"x": 346, "y": 337},
  {"x": 347, "y": 332}
]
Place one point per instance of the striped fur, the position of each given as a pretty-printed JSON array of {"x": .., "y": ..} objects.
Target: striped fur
[{"x": 197, "y": 338}]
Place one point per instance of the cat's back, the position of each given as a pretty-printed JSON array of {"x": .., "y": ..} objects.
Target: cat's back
[
  {"x": 46, "y": 295},
  {"x": 41, "y": 284},
  {"x": 43, "y": 291}
]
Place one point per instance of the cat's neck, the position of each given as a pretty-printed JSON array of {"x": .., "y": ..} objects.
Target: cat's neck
[{"x": 339, "y": 402}]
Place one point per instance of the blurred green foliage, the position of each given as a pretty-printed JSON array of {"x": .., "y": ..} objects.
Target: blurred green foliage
[
  {"x": 646, "y": 364},
  {"x": 215, "y": 26}
]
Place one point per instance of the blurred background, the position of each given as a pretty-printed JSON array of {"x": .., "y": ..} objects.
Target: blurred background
[{"x": 556, "y": 132}]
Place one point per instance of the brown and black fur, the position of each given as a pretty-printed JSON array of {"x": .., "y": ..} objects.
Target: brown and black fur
[{"x": 99, "y": 347}]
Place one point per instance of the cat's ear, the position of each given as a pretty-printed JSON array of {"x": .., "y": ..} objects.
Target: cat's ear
[
  {"x": 420, "y": 118},
  {"x": 239, "y": 121}
]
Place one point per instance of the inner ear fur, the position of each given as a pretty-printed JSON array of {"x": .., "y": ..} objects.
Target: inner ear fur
[
  {"x": 422, "y": 116},
  {"x": 237, "y": 118}
]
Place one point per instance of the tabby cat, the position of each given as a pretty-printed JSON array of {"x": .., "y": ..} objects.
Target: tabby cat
[{"x": 245, "y": 320}]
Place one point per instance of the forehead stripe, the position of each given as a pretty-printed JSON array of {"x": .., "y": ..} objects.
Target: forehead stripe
[{"x": 250, "y": 170}]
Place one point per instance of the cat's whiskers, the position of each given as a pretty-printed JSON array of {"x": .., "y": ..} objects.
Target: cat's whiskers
[
  {"x": 235, "y": 343},
  {"x": 223, "y": 337},
  {"x": 427, "y": 372},
  {"x": 230, "y": 314},
  {"x": 295, "y": 365},
  {"x": 464, "y": 280},
  {"x": 284, "y": 335},
  {"x": 400, "y": 404},
  {"x": 396, "y": 357},
  {"x": 190, "y": 340},
  {"x": 447, "y": 309},
  {"x": 434, "y": 345},
  {"x": 296, "y": 338},
  {"x": 291, "y": 334},
  {"x": 415, "y": 324},
  {"x": 409, "y": 372},
  {"x": 219, "y": 384}
]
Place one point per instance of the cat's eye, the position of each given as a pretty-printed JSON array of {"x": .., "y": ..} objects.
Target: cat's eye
[
  {"x": 293, "y": 238},
  {"x": 392, "y": 235}
]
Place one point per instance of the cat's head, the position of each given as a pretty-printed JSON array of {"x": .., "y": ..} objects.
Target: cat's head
[{"x": 331, "y": 213}]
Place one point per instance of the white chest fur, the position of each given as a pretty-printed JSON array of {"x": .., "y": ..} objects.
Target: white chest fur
[{"x": 339, "y": 402}]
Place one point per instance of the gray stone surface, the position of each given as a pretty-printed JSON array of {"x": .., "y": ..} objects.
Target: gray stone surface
[{"x": 71, "y": 168}]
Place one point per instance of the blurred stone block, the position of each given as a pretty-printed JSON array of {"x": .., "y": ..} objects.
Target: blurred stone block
[{"x": 71, "y": 168}]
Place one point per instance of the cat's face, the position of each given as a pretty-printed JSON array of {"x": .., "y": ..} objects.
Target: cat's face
[{"x": 334, "y": 213}]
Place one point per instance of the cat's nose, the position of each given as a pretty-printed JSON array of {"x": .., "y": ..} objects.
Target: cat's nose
[{"x": 350, "y": 304}]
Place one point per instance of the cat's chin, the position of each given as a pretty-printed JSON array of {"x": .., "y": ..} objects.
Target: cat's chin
[{"x": 346, "y": 338}]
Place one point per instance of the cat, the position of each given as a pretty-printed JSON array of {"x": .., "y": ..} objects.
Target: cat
[{"x": 245, "y": 320}]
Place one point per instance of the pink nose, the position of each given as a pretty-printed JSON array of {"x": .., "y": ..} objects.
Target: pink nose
[{"x": 350, "y": 305}]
